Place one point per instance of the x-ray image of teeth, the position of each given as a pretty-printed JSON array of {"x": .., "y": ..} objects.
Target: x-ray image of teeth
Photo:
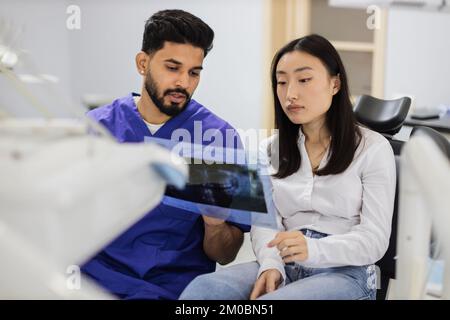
[{"x": 225, "y": 185}]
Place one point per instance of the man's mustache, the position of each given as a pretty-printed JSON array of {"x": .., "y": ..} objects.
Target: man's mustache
[{"x": 178, "y": 90}]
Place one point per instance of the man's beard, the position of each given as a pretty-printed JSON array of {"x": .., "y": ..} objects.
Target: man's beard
[{"x": 174, "y": 108}]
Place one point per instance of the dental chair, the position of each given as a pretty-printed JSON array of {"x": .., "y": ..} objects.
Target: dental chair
[{"x": 387, "y": 117}]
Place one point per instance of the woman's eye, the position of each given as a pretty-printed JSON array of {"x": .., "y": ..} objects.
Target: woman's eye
[
  {"x": 172, "y": 68},
  {"x": 305, "y": 80},
  {"x": 281, "y": 83}
]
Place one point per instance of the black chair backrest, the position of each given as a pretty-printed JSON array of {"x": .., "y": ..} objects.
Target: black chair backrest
[{"x": 383, "y": 116}]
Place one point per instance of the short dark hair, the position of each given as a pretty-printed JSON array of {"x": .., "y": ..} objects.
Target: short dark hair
[
  {"x": 345, "y": 134},
  {"x": 176, "y": 26}
]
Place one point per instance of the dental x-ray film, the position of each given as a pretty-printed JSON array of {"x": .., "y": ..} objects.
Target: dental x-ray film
[{"x": 221, "y": 184}]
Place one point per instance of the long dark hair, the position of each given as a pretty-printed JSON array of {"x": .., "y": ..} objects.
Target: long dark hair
[{"x": 345, "y": 134}]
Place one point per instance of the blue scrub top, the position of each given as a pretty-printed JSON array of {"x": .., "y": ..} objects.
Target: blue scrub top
[{"x": 158, "y": 256}]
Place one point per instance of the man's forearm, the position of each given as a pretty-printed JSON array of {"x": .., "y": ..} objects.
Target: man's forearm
[{"x": 222, "y": 242}]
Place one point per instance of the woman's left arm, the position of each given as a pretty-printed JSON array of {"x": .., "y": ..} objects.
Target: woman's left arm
[{"x": 368, "y": 241}]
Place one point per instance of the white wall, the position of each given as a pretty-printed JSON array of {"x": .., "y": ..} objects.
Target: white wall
[
  {"x": 45, "y": 41},
  {"x": 99, "y": 58},
  {"x": 418, "y": 56},
  {"x": 103, "y": 52}
]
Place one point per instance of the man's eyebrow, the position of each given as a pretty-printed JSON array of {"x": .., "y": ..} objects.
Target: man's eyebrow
[
  {"x": 179, "y": 64},
  {"x": 173, "y": 61},
  {"x": 296, "y": 70}
]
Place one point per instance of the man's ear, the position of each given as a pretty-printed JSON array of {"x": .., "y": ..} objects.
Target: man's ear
[
  {"x": 142, "y": 60},
  {"x": 336, "y": 83}
]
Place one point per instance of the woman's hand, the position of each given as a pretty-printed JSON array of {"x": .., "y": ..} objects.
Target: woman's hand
[
  {"x": 292, "y": 246},
  {"x": 267, "y": 282}
]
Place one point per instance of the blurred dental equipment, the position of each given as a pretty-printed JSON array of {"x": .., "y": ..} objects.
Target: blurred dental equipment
[
  {"x": 68, "y": 188},
  {"x": 424, "y": 215}
]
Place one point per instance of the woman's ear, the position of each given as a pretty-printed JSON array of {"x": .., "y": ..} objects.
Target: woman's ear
[{"x": 336, "y": 83}]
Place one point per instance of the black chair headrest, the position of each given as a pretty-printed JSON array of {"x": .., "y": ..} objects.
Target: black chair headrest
[
  {"x": 384, "y": 116},
  {"x": 439, "y": 139}
]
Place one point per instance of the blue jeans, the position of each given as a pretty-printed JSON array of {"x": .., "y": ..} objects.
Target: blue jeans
[{"x": 337, "y": 283}]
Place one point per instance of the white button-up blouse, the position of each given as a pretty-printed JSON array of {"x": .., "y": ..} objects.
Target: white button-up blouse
[{"x": 354, "y": 207}]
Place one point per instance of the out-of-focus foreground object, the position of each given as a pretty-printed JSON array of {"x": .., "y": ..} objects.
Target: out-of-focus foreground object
[
  {"x": 67, "y": 188},
  {"x": 424, "y": 215},
  {"x": 64, "y": 194}
]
